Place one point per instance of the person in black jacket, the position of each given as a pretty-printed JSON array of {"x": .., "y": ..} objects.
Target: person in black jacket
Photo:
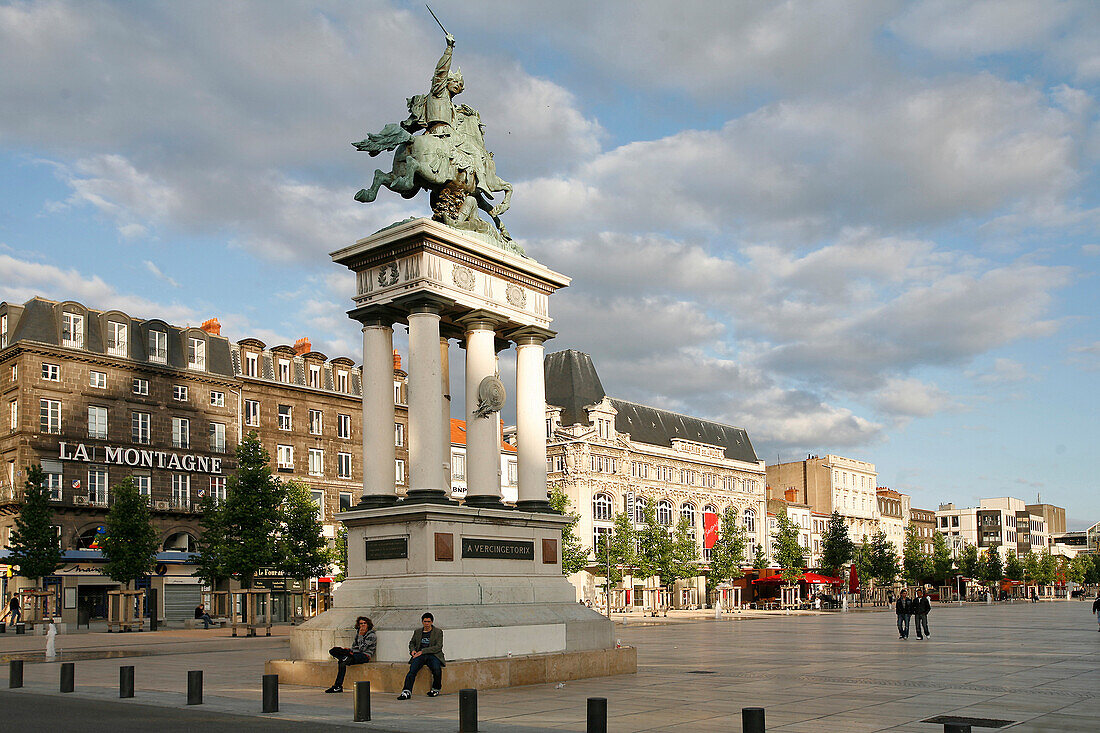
[
  {"x": 361, "y": 651},
  {"x": 1096, "y": 609},
  {"x": 903, "y": 608},
  {"x": 921, "y": 607}
]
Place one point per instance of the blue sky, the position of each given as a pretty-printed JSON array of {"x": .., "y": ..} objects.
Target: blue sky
[{"x": 868, "y": 228}]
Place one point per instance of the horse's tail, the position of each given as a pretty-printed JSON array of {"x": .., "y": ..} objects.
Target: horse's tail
[{"x": 391, "y": 136}]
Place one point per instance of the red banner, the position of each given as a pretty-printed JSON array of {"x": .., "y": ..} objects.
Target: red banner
[{"x": 710, "y": 529}]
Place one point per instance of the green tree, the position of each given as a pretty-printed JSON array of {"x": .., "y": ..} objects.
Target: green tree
[
  {"x": 916, "y": 561},
  {"x": 684, "y": 562},
  {"x": 968, "y": 560},
  {"x": 884, "y": 559},
  {"x": 942, "y": 562},
  {"x": 252, "y": 513},
  {"x": 574, "y": 557},
  {"x": 1014, "y": 569},
  {"x": 211, "y": 564},
  {"x": 1030, "y": 562},
  {"x": 301, "y": 549},
  {"x": 760, "y": 558},
  {"x": 789, "y": 554},
  {"x": 1092, "y": 575},
  {"x": 989, "y": 568},
  {"x": 1047, "y": 569},
  {"x": 617, "y": 551},
  {"x": 340, "y": 553},
  {"x": 837, "y": 548},
  {"x": 728, "y": 552},
  {"x": 655, "y": 547},
  {"x": 33, "y": 544},
  {"x": 130, "y": 544},
  {"x": 1078, "y": 569}
]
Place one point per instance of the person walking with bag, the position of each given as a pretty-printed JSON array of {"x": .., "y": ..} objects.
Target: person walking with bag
[
  {"x": 921, "y": 606},
  {"x": 903, "y": 608}
]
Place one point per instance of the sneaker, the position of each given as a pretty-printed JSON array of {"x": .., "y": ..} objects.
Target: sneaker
[
  {"x": 335, "y": 688},
  {"x": 405, "y": 695},
  {"x": 433, "y": 693}
]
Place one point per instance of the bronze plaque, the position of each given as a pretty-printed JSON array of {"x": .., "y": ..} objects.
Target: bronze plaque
[
  {"x": 444, "y": 546},
  {"x": 498, "y": 549},
  {"x": 390, "y": 549},
  {"x": 549, "y": 552}
]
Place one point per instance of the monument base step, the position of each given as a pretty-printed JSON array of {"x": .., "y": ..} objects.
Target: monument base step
[{"x": 478, "y": 674}]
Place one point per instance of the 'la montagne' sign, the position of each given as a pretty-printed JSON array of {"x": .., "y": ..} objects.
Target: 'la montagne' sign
[{"x": 138, "y": 458}]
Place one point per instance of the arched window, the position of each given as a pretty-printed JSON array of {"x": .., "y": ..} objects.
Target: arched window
[
  {"x": 664, "y": 512},
  {"x": 687, "y": 511},
  {"x": 639, "y": 510},
  {"x": 180, "y": 542},
  {"x": 750, "y": 520},
  {"x": 601, "y": 506},
  {"x": 710, "y": 509}
]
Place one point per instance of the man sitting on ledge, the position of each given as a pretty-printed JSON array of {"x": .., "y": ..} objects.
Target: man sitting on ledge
[
  {"x": 361, "y": 651},
  {"x": 425, "y": 648}
]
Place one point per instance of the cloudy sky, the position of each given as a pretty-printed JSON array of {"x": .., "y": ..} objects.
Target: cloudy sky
[{"x": 868, "y": 228}]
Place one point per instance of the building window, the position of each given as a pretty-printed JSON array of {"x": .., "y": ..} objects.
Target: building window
[
  {"x": 49, "y": 414},
  {"x": 116, "y": 339},
  {"x": 284, "y": 417},
  {"x": 97, "y": 422},
  {"x": 319, "y": 500},
  {"x": 315, "y": 422},
  {"x": 341, "y": 381},
  {"x": 72, "y": 330},
  {"x": 639, "y": 510},
  {"x": 51, "y": 372},
  {"x": 251, "y": 364},
  {"x": 141, "y": 386},
  {"x": 343, "y": 465},
  {"x": 316, "y": 462},
  {"x": 196, "y": 354},
  {"x": 181, "y": 490},
  {"x": 601, "y": 537},
  {"x": 181, "y": 432},
  {"x": 687, "y": 511},
  {"x": 601, "y": 507},
  {"x": 217, "y": 399},
  {"x": 284, "y": 370},
  {"x": 139, "y": 427},
  {"x": 343, "y": 426},
  {"x": 284, "y": 456},
  {"x": 158, "y": 347},
  {"x": 4, "y": 331},
  {"x": 217, "y": 488},
  {"x": 397, "y": 393},
  {"x": 955, "y": 521},
  {"x": 13, "y": 415},
  {"x": 252, "y": 413},
  {"x": 398, "y": 434},
  {"x": 217, "y": 437},
  {"x": 15, "y": 372},
  {"x": 749, "y": 519},
  {"x": 558, "y": 463},
  {"x": 97, "y": 380},
  {"x": 346, "y": 500},
  {"x": 315, "y": 376},
  {"x": 513, "y": 473},
  {"x": 179, "y": 393},
  {"x": 143, "y": 482},
  {"x": 664, "y": 513},
  {"x": 97, "y": 486},
  {"x": 549, "y": 428},
  {"x": 399, "y": 471},
  {"x": 458, "y": 466},
  {"x": 53, "y": 485}
]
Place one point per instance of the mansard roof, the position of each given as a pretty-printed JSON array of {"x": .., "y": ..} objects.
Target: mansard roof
[{"x": 573, "y": 384}]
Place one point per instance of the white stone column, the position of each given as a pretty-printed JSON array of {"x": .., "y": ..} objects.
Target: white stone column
[
  {"x": 445, "y": 372},
  {"x": 482, "y": 433},
  {"x": 378, "y": 415},
  {"x": 531, "y": 423},
  {"x": 425, "y": 407}
]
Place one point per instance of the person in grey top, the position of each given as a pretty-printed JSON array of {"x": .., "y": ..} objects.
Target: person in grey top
[{"x": 361, "y": 651}]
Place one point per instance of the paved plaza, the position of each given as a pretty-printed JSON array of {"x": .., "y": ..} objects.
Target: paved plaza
[{"x": 1037, "y": 665}]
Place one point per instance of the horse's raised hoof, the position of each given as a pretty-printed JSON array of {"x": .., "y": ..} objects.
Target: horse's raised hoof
[{"x": 364, "y": 196}]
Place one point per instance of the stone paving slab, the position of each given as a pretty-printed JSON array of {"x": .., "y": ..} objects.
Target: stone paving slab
[{"x": 1032, "y": 663}]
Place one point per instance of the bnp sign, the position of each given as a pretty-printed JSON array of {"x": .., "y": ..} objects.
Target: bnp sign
[{"x": 138, "y": 458}]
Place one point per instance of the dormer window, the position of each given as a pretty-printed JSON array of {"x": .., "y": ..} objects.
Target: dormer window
[
  {"x": 3, "y": 331},
  {"x": 116, "y": 339},
  {"x": 251, "y": 364},
  {"x": 158, "y": 347},
  {"x": 196, "y": 354},
  {"x": 284, "y": 370},
  {"x": 315, "y": 376},
  {"x": 341, "y": 381},
  {"x": 72, "y": 330}
]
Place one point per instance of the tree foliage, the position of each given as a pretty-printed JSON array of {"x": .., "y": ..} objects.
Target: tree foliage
[
  {"x": 617, "y": 551},
  {"x": 942, "y": 562},
  {"x": 1014, "y": 569},
  {"x": 130, "y": 544},
  {"x": 989, "y": 568},
  {"x": 574, "y": 557},
  {"x": 728, "y": 553},
  {"x": 760, "y": 558},
  {"x": 301, "y": 549},
  {"x": 33, "y": 544},
  {"x": 684, "y": 562},
  {"x": 837, "y": 548},
  {"x": 916, "y": 561},
  {"x": 1047, "y": 569},
  {"x": 861, "y": 558},
  {"x": 884, "y": 559},
  {"x": 1078, "y": 569},
  {"x": 968, "y": 560},
  {"x": 340, "y": 553},
  {"x": 789, "y": 554}
]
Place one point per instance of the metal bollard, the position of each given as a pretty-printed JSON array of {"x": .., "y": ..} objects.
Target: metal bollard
[
  {"x": 271, "y": 693},
  {"x": 194, "y": 687},
  {"x": 597, "y": 715},
  {"x": 20, "y": 628},
  {"x": 126, "y": 681},
  {"x": 752, "y": 720},
  {"x": 15, "y": 673},
  {"x": 362, "y": 701},
  {"x": 68, "y": 675},
  {"x": 467, "y": 711},
  {"x": 3, "y": 627},
  {"x": 955, "y": 728}
]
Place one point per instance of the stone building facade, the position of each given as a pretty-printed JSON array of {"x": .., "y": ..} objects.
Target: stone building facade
[
  {"x": 832, "y": 483},
  {"x": 611, "y": 455},
  {"x": 924, "y": 521},
  {"x": 893, "y": 511}
]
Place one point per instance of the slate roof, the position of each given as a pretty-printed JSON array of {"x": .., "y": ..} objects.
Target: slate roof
[{"x": 573, "y": 384}]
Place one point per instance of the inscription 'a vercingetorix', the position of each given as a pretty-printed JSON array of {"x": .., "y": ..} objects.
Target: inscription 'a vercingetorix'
[{"x": 498, "y": 549}]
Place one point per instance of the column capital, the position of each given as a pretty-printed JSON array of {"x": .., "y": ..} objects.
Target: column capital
[
  {"x": 374, "y": 316},
  {"x": 483, "y": 320},
  {"x": 531, "y": 335}
]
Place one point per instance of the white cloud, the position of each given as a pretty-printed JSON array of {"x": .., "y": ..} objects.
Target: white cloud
[
  {"x": 152, "y": 268},
  {"x": 1002, "y": 371},
  {"x": 908, "y": 398}
]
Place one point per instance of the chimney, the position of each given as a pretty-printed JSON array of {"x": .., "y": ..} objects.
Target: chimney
[
  {"x": 396, "y": 360},
  {"x": 212, "y": 327},
  {"x": 303, "y": 346},
  {"x": 791, "y": 495}
]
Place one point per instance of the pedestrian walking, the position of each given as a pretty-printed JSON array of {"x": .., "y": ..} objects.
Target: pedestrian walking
[
  {"x": 14, "y": 613},
  {"x": 903, "y": 608},
  {"x": 921, "y": 607},
  {"x": 1096, "y": 609}
]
